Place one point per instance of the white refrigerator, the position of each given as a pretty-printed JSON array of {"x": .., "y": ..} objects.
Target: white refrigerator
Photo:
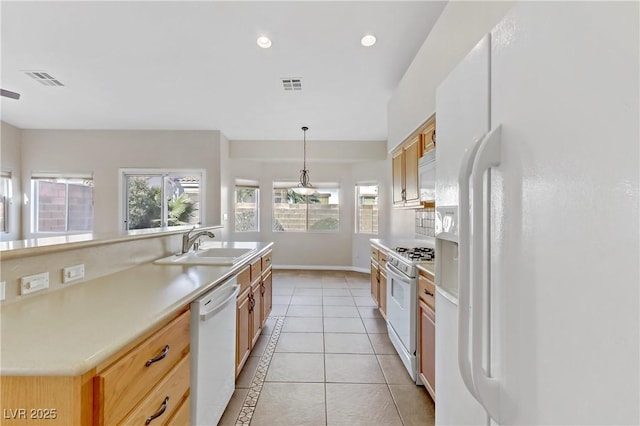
[{"x": 537, "y": 236}]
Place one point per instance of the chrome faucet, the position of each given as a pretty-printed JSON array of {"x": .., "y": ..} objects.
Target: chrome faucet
[{"x": 188, "y": 241}]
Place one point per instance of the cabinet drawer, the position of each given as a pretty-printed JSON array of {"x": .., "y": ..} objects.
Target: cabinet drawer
[
  {"x": 266, "y": 260},
  {"x": 382, "y": 259},
  {"x": 374, "y": 253},
  {"x": 163, "y": 401},
  {"x": 182, "y": 414},
  {"x": 244, "y": 278},
  {"x": 427, "y": 291},
  {"x": 256, "y": 269},
  {"x": 123, "y": 384}
]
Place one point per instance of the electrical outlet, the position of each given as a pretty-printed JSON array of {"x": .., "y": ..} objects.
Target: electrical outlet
[
  {"x": 33, "y": 283},
  {"x": 2, "y": 287},
  {"x": 72, "y": 273}
]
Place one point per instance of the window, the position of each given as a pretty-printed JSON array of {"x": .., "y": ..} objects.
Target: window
[
  {"x": 367, "y": 209},
  {"x": 5, "y": 200},
  {"x": 154, "y": 198},
  {"x": 247, "y": 202},
  {"x": 293, "y": 212},
  {"x": 62, "y": 203}
]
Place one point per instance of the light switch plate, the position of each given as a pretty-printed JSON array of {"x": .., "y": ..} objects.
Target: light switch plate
[
  {"x": 72, "y": 273},
  {"x": 2, "y": 287},
  {"x": 33, "y": 283}
]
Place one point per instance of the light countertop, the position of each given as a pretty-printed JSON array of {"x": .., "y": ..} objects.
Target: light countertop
[
  {"x": 389, "y": 244},
  {"x": 70, "y": 331}
]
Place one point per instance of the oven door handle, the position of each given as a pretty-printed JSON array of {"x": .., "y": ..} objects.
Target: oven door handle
[{"x": 398, "y": 274}]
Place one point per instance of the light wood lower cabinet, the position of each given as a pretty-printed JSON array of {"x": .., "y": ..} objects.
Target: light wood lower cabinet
[
  {"x": 182, "y": 416},
  {"x": 427, "y": 332},
  {"x": 375, "y": 281},
  {"x": 382, "y": 304},
  {"x": 253, "y": 306}
]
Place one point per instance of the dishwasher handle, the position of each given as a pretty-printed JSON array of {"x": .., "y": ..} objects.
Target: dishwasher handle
[{"x": 211, "y": 311}]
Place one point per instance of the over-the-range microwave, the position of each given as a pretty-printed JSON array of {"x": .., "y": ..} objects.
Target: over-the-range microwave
[{"x": 427, "y": 176}]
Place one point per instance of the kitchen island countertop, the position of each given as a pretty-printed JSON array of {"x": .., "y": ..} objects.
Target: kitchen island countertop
[{"x": 70, "y": 331}]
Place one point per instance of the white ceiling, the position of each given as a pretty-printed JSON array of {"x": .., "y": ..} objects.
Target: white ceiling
[{"x": 196, "y": 65}]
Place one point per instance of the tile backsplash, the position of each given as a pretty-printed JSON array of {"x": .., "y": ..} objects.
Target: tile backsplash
[{"x": 425, "y": 221}]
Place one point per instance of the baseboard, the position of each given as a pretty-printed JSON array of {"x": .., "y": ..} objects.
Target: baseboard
[{"x": 322, "y": 268}]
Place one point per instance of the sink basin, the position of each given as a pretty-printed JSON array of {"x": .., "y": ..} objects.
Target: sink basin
[{"x": 210, "y": 256}]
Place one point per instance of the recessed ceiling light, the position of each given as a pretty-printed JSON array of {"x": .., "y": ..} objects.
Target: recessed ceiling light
[
  {"x": 368, "y": 40},
  {"x": 264, "y": 42}
]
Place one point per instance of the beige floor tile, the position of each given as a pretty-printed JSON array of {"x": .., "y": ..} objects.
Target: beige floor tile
[
  {"x": 361, "y": 292},
  {"x": 282, "y": 291},
  {"x": 268, "y": 326},
  {"x": 364, "y": 301},
  {"x": 260, "y": 345},
  {"x": 340, "y": 284},
  {"x": 295, "y": 367},
  {"x": 302, "y": 325},
  {"x": 382, "y": 344},
  {"x": 281, "y": 300},
  {"x": 369, "y": 312},
  {"x": 336, "y": 292},
  {"x": 233, "y": 408},
  {"x": 300, "y": 342},
  {"x": 415, "y": 405},
  {"x": 394, "y": 371},
  {"x": 304, "y": 311},
  {"x": 343, "y": 325},
  {"x": 307, "y": 292},
  {"x": 306, "y": 300},
  {"x": 340, "y": 312},
  {"x": 347, "y": 343},
  {"x": 278, "y": 310},
  {"x": 337, "y": 301},
  {"x": 290, "y": 404},
  {"x": 360, "y": 404},
  {"x": 363, "y": 285},
  {"x": 309, "y": 283},
  {"x": 248, "y": 371},
  {"x": 375, "y": 325},
  {"x": 352, "y": 368}
]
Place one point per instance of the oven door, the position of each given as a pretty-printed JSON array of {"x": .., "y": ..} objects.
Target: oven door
[{"x": 401, "y": 307}]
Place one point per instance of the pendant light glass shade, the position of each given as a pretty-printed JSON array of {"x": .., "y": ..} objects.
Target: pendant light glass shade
[{"x": 304, "y": 187}]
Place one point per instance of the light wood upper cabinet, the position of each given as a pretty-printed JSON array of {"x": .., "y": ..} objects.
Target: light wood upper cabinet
[
  {"x": 406, "y": 191},
  {"x": 404, "y": 166}
]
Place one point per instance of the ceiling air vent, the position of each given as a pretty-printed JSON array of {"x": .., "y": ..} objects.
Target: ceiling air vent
[
  {"x": 292, "y": 84},
  {"x": 44, "y": 78}
]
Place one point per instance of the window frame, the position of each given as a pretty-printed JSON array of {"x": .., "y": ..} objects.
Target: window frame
[
  {"x": 358, "y": 205},
  {"x": 34, "y": 210},
  {"x": 246, "y": 185},
  {"x": 123, "y": 213},
  {"x": 319, "y": 186},
  {"x": 7, "y": 188}
]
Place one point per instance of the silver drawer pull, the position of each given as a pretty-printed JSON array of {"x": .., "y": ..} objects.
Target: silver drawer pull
[
  {"x": 158, "y": 413},
  {"x": 164, "y": 353}
]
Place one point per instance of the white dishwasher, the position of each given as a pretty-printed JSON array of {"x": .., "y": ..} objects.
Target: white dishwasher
[{"x": 213, "y": 353}]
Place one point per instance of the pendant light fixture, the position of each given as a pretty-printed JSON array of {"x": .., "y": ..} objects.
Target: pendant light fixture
[{"x": 304, "y": 187}]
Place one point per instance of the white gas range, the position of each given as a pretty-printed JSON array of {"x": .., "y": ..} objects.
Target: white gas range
[{"x": 402, "y": 301}]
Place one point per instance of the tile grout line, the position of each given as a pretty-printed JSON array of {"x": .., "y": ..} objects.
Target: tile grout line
[{"x": 250, "y": 401}]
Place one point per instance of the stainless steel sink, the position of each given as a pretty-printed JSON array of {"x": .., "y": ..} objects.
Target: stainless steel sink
[{"x": 209, "y": 256}]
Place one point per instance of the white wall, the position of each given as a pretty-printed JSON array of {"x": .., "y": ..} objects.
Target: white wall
[
  {"x": 460, "y": 26},
  {"x": 327, "y": 162},
  {"x": 104, "y": 152},
  {"x": 11, "y": 156}
]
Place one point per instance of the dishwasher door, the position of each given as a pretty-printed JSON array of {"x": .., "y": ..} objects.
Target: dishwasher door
[{"x": 213, "y": 353}]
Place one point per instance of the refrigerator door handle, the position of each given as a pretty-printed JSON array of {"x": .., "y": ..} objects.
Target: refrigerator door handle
[
  {"x": 464, "y": 265},
  {"x": 487, "y": 388}
]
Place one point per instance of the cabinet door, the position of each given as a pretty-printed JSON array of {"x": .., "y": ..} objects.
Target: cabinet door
[
  {"x": 256, "y": 308},
  {"x": 383, "y": 293},
  {"x": 267, "y": 299},
  {"x": 243, "y": 330},
  {"x": 411, "y": 186},
  {"x": 398, "y": 178},
  {"x": 375, "y": 284},
  {"x": 427, "y": 335}
]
